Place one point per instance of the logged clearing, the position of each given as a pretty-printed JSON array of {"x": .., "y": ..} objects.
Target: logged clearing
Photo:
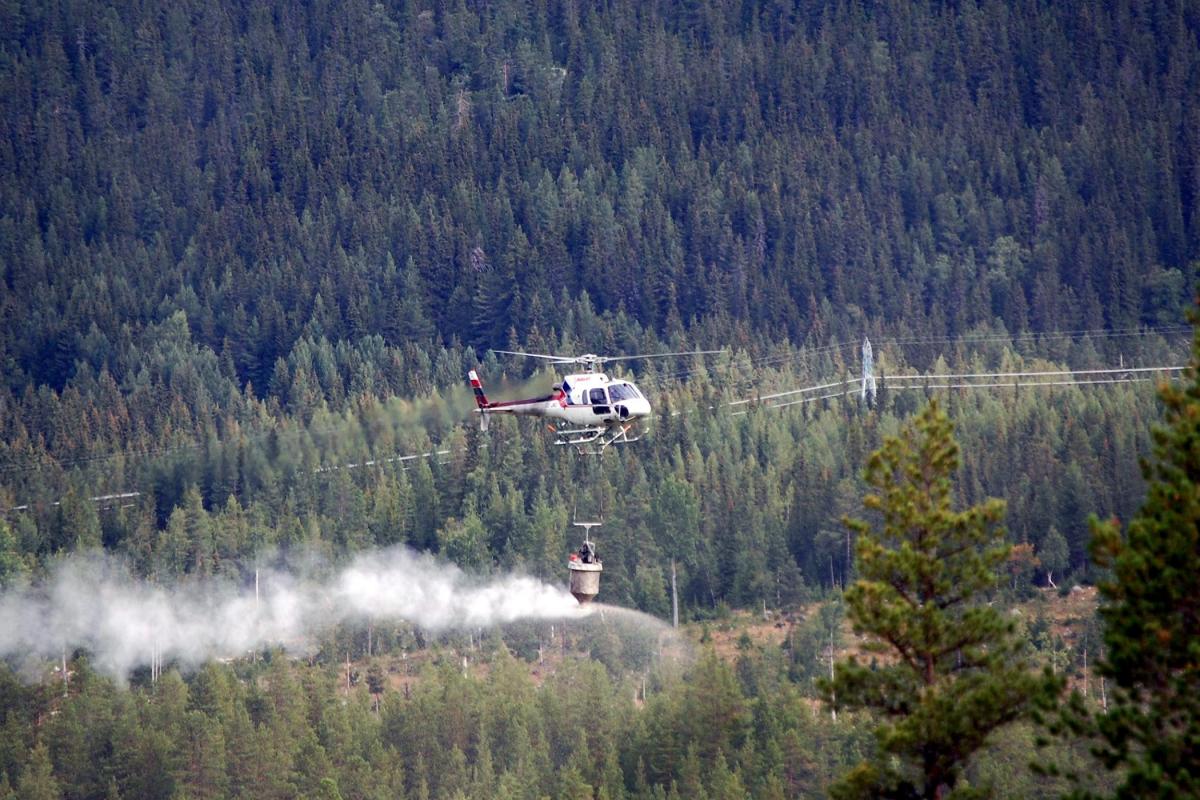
[
  {"x": 1064, "y": 618},
  {"x": 1067, "y": 616}
]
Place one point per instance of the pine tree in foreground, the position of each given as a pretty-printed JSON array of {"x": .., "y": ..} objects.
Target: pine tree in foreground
[
  {"x": 1151, "y": 611},
  {"x": 947, "y": 672}
]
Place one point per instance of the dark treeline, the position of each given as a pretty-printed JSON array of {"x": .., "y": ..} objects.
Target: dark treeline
[{"x": 444, "y": 173}]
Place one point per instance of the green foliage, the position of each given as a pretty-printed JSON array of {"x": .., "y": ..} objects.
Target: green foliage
[
  {"x": 37, "y": 782},
  {"x": 12, "y": 564},
  {"x": 650, "y": 591},
  {"x": 952, "y": 674},
  {"x": 232, "y": 236},
  {"x": 1151, "y": 610},
  {"x": 1053, "y": 553},
  {"x": 464, "y": 542}
]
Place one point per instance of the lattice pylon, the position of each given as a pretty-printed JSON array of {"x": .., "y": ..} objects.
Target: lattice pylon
[{"x": 868, "y": 378}]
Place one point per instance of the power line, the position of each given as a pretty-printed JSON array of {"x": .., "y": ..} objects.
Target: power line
[
  {"x": 1101, "y": 371},
  {"x": 392, "y": 460},
  {"x": 759, "y": 363},
  {"x": 803, "y": 353},
  {"x": 1129, "y": 375},
  {"x": 99, "y": 500}
]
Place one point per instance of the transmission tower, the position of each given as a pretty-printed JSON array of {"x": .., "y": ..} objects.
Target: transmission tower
[{"x": 868, "y": 379}]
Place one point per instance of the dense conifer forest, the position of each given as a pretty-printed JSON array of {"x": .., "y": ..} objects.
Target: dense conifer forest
[{"x": 248, "y": 252}]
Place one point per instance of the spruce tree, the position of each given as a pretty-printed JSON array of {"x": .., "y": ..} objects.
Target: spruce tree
[
  {"x": 1151, "y": 611},
  {"x": 37, "y": 782},
  {"x": 948, "y": 672}
]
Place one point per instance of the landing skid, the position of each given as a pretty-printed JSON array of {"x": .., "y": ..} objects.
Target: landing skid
[{"x": 595, "y": 440}]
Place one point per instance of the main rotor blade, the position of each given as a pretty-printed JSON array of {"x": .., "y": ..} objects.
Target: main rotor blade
[
  {"x": 590, "y": 358},
  {"x": 556, "y": 359},
  {"x": 662, "y": 355}
]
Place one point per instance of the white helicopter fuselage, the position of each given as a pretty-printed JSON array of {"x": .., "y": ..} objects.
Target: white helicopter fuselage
[
  {"x": 585, "y": 400},
  {"x": 592, "y": 397},
  {"x": 596, "y": 411}
]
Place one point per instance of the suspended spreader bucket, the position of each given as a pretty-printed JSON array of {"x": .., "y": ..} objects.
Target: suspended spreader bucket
[{"x": 585, "y": 579}]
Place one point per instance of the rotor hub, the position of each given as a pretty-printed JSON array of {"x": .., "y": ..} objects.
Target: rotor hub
[{"x": 590, "y": 361}]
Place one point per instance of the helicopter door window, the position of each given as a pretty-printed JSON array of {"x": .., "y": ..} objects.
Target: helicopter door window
[{"x": 599, "y": 401}]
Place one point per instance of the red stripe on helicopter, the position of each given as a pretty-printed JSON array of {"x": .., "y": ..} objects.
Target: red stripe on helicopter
[{"x": 477, "y": 386}]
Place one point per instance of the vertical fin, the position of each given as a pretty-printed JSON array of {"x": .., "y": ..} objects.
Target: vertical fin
[
  {"x": 477, "y": 387},
  {"x": 480, "y": 399}
]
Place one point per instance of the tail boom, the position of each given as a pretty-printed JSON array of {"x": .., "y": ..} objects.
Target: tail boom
[{"x": 530, "y": 407}]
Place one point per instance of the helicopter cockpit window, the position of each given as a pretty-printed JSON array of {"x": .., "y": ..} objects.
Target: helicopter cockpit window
[
  {"x": 621, "y": 391},
  {"x": 596, "y": 397}
]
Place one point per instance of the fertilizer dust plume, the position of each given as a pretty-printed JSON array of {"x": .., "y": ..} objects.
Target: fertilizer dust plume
[{"x": 93, "y": 602}]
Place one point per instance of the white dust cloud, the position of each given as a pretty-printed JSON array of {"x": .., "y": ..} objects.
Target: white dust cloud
[{"x": 93, "y": 602}]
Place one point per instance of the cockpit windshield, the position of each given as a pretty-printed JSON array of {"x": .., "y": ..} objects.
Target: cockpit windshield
[{"x": 622, "y": 391}]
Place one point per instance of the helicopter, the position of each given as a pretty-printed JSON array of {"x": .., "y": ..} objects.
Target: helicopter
[{"x": 598, "y": 411}]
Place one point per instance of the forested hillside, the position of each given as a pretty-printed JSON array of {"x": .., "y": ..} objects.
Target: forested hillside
[
  {"x": 248, "y": 252},
  {"x": 441, "y": 173},
  {"x": 220, "y": 221},
  {"x": 571, "y": 726}
]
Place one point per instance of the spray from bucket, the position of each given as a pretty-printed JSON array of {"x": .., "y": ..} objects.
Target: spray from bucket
[{"x": 93, "y": 601}]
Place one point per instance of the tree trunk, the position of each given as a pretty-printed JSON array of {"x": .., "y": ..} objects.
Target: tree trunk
[{"x": 674, "y": 598}]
